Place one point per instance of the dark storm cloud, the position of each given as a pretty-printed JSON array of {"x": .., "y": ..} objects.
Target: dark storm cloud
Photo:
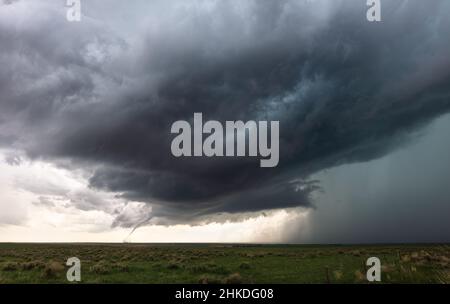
[{"x": 343, "y": 89}]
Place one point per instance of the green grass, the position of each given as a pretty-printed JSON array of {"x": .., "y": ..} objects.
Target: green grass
[{"x": 214, "y": 263}]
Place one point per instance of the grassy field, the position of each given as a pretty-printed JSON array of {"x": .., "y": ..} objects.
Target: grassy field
[{"x": 211, "y": 263}]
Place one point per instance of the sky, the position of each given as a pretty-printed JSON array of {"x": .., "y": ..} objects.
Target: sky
[{"x": 86, "y": 110}]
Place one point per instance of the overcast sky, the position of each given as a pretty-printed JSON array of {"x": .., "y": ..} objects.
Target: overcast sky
[{"x": 86, "y": 109}]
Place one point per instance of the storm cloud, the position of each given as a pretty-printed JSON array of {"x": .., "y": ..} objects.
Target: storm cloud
[{"x": 102, "y": 94}]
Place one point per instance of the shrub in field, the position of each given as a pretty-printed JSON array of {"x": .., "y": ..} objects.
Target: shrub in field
[
  {"x": 10, "y": 266},
  {"x": 444, "y": 260},
  {"x": 245, "y": 265},
  {"x": 122, "y": 267},
  {"x": 337, "y": 274},
  {"x": 356, "y": 253},
  {"x": 32, "y": 265},
  {"x": 100, "y": 268},
  {"x": 359, "y": 276},
  {"x": 173, "y": 266},
  {"x": 158, "y": 266},
  {"x": 125, "y": 258},
  {"x": 209, "y": 280},
  {"x": 406, "y": 258},
  {"x": 387, "y": 268},
  {"x": 53, "y": 269},
  {"x": 219, "y": 270},
  {"x": 198, "y": 268},
  {"x": 234, "y": 278}
]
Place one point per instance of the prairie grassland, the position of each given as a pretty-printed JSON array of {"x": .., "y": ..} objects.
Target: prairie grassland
[{"x": 222, "y": 263}]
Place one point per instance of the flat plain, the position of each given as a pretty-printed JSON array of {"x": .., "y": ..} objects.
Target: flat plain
[{"x": 223, "y": 263}]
